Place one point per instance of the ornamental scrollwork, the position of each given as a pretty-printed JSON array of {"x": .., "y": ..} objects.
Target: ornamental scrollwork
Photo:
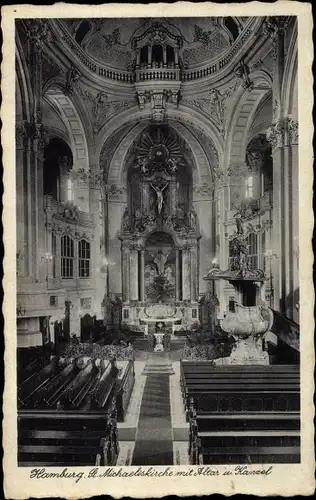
[
  {"x": 204, "y": 189},
  {"x": 242, "y": 72},
  {"x": 38, "y": 33},
  {"x": 114, "y": 190},
  {"x": 293, "y": 131},
  {"x": 215, "y": 105},
  {"x": 275, "y": 134},
  {"x": 70, "y": 231}
]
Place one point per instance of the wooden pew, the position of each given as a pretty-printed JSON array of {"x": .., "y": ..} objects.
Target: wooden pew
[
  {"x": 246, "y": 439},
  {"x": 80, "y": 386},
  {"x": 27, "y": 389},
  {"x": 51, "y": 392},
  {"x": 234, "y": 388},
  {"x": 64, "y": 438}
]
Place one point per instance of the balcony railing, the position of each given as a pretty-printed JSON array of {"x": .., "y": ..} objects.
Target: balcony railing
[{"x": 163, "y": 74}]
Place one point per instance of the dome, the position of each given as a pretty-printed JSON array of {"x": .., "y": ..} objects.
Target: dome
[{"x": 111, "y": 42}]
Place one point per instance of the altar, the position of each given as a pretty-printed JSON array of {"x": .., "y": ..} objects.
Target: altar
[{"x": 161, "y": 317}]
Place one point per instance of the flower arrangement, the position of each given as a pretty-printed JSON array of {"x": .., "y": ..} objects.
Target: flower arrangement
[{"x": 99, "y": 351}]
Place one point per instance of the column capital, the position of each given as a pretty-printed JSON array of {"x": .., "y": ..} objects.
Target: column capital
[
  {"x": 38, "y": 33},
  {"x": 276, "y": 134},
  {"x": 275, "y": 26},
  {"x": 292, "y": 131}
]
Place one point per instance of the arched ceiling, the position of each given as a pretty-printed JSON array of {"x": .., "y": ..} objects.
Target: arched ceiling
[{"x": 109, "y": 41}]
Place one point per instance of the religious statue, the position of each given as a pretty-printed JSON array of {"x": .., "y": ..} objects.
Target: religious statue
[
  {"x": 126, "y": 220},
  {"x": 73, "y": 78},
  {"x": 160, "y": 261},
  {"x": 238, "y": 219},
  {"x": 160, "y": 199},
  {"x": 142, "y": 163},
  {"x": 192, "y": 219}
]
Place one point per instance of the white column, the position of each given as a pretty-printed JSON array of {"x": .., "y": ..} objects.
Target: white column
[
  {"x": 186, "y": 275},
  {"x": 133, "y": 274},
  {"x": 177, "y": 275},
  {"x": 142, "y": 275}
]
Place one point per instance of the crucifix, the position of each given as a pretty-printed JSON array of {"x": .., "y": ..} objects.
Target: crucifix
[{"x": 160, "y": 199}]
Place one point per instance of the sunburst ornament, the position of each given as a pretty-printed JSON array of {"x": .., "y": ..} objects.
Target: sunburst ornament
[{"x": 159, "y": 148}]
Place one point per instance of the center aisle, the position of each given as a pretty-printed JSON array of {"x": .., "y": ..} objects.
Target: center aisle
[{"x": 154, "y": 435}]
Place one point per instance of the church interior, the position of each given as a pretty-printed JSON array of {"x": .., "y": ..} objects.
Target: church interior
[{"x": 157, "y": 257}]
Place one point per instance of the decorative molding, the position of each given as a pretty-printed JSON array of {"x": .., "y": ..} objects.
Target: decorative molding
[
  {"x": 205, "y": 37},
  {"x": 275, "y": 26},
  {"x": 72, "y": 80},
  {"x": 204, "y": 189},
  {"x": 61, "y": 230},
  {"x": 242, "y": 72},
  {"x": 275, "y": 134},
  {"x": 101, "y": 107},
  {"x": 214, "y": 105},
  {"x": 293, "y": 131},
  {"x": 114, "y": 191},
  {"x": 38, "y": 33}
]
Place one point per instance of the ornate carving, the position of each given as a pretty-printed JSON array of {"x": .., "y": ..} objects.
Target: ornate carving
[
  {"x": 205, "y": 37},
  {"x": 61, "y": 230},
  {"x": 114, "y": 191},
  {"x": 293, "y": 131},
  {"x": 242, "y": 72},
  {"x": 204, "y": 189},
  {"x": 215, "y": 105},
  {"x": 102, "y": 108},
  {"x": 275, "y": 26},
  {"x": 38, "y": 33},
  {"x": 113, "y": 38},
  {"x": 72, "y": 80},
  {"x": 71, "y": 212},
  {"x": 20, "y": 134},
  {"x": 275, "y": 134},
  {"x": 82, "y": 175}
]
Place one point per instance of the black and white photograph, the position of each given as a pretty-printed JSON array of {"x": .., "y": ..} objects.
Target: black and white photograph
[{"x": 157, "y": 242}]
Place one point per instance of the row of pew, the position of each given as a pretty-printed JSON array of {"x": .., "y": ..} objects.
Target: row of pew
[
  {"x": 68, "y": 411},
  {"x": 67, "y": 384},
  {"x": 242, "y": 414},
  {"x": 67, "y": 438}
]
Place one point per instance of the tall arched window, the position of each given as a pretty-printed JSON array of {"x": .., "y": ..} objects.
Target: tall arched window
[
  {"x": 249, "y": 187},
  {"x": 57, "y": 159},
  {"x": 84, "y": 258},
  {"x": 67, "y": 257},
  {"x": 70, "y": 192}
]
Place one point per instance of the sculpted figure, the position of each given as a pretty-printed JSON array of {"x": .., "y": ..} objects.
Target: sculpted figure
[
  {"x": 160, "y": 199},
  {"x": 126, "y": 219},
  {"x": 160, "y": 261}
]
